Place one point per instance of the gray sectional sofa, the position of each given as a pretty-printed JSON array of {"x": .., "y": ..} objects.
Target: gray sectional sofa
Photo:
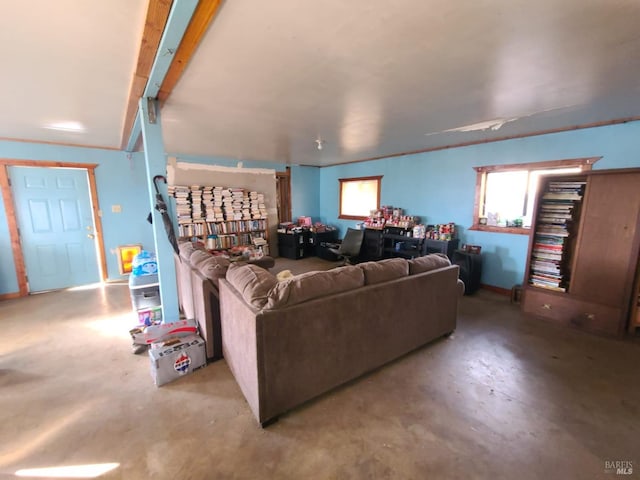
[
  {"x": 198, "y": 274},
  {"x": 288, "y": 342}
]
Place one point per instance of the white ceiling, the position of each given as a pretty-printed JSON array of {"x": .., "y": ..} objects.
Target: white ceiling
[
  {"x": 68, "y": 61},
  {"x": 369, "y": 78}
]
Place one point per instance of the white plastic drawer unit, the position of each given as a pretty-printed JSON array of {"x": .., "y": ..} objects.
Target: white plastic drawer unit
[{"x": 145, "y": 291}]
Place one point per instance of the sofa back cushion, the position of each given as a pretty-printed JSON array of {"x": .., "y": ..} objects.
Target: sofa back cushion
[
  {"x": 310, "y": 285},
  {"x": 253, "y": 283},
  {"x": 214, "y": 268},
  {"x": 199, "y": 256},
  {"x": 384, "y": 270},
  {"x": 428, "y": 263}
]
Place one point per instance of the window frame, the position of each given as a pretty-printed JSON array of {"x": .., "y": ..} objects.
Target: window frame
[
  {"x": 342, "y": 181},
  {"x": 481, "y": 179}
]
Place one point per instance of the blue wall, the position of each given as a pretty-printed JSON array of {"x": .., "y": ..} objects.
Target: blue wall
[
  {"x": 8, "y": 280},
  {"x": 305, "y": 192},
  {"x": 440, "y": 186}
]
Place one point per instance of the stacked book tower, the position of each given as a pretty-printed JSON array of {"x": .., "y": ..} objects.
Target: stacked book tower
[
  {"x": 182, "y": 195},
  {"x": 559, "y": 208},
  {"x": 237, "y": 203},
  {"x": 256, "y": 204},
  {"x": 207, "y": 204},
  {"x": 217, "y": 214},
  {"x": 196, "y": 204}
]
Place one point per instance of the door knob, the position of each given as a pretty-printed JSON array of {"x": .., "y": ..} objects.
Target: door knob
[{"x": 91, "y": 235}]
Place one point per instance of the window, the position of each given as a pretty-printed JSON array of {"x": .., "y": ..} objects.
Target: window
[
  {"x": 505, "y": 193},
  {"x": 358, "y": 196}
]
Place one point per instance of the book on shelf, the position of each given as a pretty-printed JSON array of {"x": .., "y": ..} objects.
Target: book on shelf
[{"x": 553, "y": 231}]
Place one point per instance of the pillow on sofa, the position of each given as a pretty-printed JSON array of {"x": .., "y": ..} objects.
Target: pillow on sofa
[
  {"x": 384, "y": 270},
  {"x": 186, "y": 249},
  {"x": 252, "y": 282},
  {"x": 312, "y": 285},
  {"x": 428, "y": 263},
  {"x": 214, "y": 268}
]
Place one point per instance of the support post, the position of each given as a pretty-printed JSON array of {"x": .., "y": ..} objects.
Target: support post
[{"x": 156, "y": 164}]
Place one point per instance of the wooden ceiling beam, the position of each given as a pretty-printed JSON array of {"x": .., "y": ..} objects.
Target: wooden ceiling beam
[
  {"x": 202, "y": 17},
  {"x": 157, "y": 15}
]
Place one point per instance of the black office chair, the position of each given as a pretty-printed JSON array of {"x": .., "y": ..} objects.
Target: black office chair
[{"x": 349, "y": 249}]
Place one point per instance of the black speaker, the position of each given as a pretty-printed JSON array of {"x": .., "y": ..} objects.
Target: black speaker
[{"x": 470, "y": 269}]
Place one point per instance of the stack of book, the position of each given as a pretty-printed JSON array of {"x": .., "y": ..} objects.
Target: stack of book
[
  {"x": 207, "y": 204},
  {"x": 196, "y": 203},
  {"x": 257, "y": 206},
  {"x": 217, "y": 214},
  {"x": 183, "y": 202},
  {"x": 237, "y": 203},
  {"x": 558, "y": 208}
]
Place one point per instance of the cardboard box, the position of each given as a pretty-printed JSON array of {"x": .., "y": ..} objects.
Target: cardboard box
[
  {"x": 163, "y": 331},
  {"x": 176, "y": 358}
]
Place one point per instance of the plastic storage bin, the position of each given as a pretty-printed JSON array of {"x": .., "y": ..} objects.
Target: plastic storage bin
[{"x": 145, "y": 291}]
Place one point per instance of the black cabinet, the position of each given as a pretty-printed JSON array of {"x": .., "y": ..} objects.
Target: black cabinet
[
  {"x": 293, "y": 245},
  {"x": 398, "y": 242},
  {"x": 371, "y": 244},
  {"x": 440, "y": 246},
  {"x": 321, "y": 242},
  {"x": 307, "y": 244},
  {"x": 470, "y": 269}
]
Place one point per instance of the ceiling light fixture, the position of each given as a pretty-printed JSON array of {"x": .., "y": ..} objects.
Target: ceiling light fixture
[
  {"x": 319, "y": 143},
  {"x": 75, "y": 127},
  {"x": 494, "y": 125}
]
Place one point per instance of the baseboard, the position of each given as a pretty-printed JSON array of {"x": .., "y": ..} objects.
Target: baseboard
[
  {"x": 499, "y": 290},
  {"x": 9, "y": 296}
]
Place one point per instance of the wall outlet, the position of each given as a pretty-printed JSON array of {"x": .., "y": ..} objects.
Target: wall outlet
[{"x": 116, "y": 209}]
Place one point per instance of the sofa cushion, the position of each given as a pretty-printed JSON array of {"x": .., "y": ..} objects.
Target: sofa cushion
[
  {"x": 253, "y": 283},
  {"x": 384, "y": 270},
  {"x": 214, "y": 268},
  {"x": 310, "y": 285},
  {"x": 428, "y": 263},
  {"x": 199, "y": 256}
]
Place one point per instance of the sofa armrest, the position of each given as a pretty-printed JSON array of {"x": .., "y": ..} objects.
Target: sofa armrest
[
  {"x": 206, "y": 310},
  {"x": 460, "y": 287},
  {"x": 241, "y": 347}
]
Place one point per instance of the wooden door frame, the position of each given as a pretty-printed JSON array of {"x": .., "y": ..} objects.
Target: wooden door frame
[
  {"x": 9, "y": 205},
  {"x": 286, "y": 175}
]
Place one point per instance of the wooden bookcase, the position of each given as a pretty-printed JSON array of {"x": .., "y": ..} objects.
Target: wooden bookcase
[
  {"x": 226, "y": 234},
  {"x": 587, "y": 282},
  {"x": 221, "y": 222},
  {"x": 634, "y": 319}
]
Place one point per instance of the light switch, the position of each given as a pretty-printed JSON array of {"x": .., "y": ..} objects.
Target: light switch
[{"x": 116, "y": 208}]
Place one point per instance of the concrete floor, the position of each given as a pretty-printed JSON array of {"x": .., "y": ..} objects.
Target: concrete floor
[{"x": 505, "y": 397}]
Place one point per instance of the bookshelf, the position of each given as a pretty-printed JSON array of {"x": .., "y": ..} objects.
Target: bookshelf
[
  {"x": 582, "y": 264},
  {"x": 221, "y": 218}
]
